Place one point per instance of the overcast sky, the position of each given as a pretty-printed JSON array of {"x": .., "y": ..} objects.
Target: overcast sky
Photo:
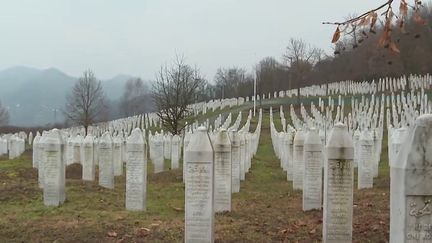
[{"x": 136, "y": 36}]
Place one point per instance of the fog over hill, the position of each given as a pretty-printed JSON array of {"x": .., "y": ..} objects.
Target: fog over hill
[{"x": 37, "y": 97}]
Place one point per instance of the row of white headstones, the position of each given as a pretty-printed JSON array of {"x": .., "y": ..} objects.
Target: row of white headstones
[
  {"x": 12, "y": 145},
  {"x": 214, "y": 165},
  {"x": 413, "y": 83},
  {"x": 301, "y": 152}
]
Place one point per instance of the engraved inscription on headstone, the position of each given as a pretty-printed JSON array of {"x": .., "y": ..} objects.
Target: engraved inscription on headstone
[
  {"x": 235, "y": 161},
  {"x": 54, "y": 175},
  {"x": 222, "y": 160},
  {"x": 298, "y": 160},
  {"x": 106, "y": 167},
  {"x": 312, "y": 181},
  {"x": 338, "y": 186},
  {"x": 88, "y": 164},
  {"x": 136, "y": 172},
  {"x": 415, "y": 204},
  {"x": 199, "y": 199}
]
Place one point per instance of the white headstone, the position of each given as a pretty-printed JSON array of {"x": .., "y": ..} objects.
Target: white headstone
[
  {"x": 175, "y": 152},
  {"x": 298, "y": 160},
  {"x": 414, "y": 209},
  {"x": 77, "y": 141},
  {"x": 88, "y": 162},
  {"x": 396, "y": 185},
  {"x": 235, "y": 161},
  {"x": 366, "y": 160},
  {"x": 30, "y": 138},
  {"x": 167, "y": 146},
  {"x": 338, "y": 186},
  {"x": 117, "y": 159},
  {"x": 42, "y": 159},
  {"x": 158, "y": 155},
  {"x": 36, "y": 151},
  {"x": 222, "y": 161},
  {"x": 199, "y": 197},
  {"x": 54, "y": 170},
  {"x": 136, "y": 172},
  {"x": 106, "y": 166},
  {"x": 242, "y": 156},
  {"x": 312, "y": 180}
]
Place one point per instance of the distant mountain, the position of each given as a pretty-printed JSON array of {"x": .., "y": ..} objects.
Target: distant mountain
[
  {"x": 114, "y": 87},
  {"x": 37, "y": 97}
]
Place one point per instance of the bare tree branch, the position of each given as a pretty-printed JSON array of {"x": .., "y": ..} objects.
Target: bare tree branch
[
  {"x": 86, "y": 102},
  {"x": 175, "y": 88}
]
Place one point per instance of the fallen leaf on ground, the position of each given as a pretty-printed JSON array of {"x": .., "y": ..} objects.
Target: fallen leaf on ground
[{"x": 142, "y": 232}]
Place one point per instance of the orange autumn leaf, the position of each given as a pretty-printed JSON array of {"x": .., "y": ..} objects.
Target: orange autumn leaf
[
  {"x": 394, "y": 48},
  {"x": 364, "y": 21},
  {"x": 374, "y": 18},
  {"x": 419, "y": 20},
  {"x": 336, "y": 35},
  {"x": 403, "y": 8},
  {"x": 385, "y": 37}
]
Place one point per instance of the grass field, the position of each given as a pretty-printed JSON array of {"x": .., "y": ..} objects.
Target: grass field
[{"x": 265, "y": 210}]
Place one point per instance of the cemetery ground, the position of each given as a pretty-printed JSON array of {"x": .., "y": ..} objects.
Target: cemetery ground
[{"x": 266, "y": 209}]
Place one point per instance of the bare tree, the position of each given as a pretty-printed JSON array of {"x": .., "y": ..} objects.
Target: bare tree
[
  {"x": 230, "y": 81},
  {"x": 135, "y": 99},
  {"x": 271, "y": 75},
  {"x": 298, "y": 51},
  {"x": 176, "y": 86},
  {"x": 300, "y": 59},
  {"x": 4, "y": 115},
  {"x": 86, "y": 102}
]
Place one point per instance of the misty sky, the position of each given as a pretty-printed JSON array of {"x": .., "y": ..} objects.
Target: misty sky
[{"x": 136, "y": 36}]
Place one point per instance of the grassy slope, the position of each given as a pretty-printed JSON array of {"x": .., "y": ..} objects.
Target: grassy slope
[{"x": 266, "y": 209}]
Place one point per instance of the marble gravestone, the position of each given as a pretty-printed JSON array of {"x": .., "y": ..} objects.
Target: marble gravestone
[
  {"x": 167, "y": 146},
  {"x": 235, "y": 161},
  {"x": 375, "y": 152},
  {"x": 36, "y": 151},
  {"x": 199, "y": 189},
  {"x": 106, "y": 166},
  {"x": 285, "y": 152},
  {"x": 30, "y": 138},
  {"x": 77, "y": 141},
  {"x": 356, "y": 138},
  {"x": 42, "y": 158},
  {"x": 70, "y": 151},
  {"x": 312, "y": 171},
  {"x": 88, "y": 163},
  {"x": 186, "y": 141},
  {"x": 222, "y": 171},
  {"x": 175, "y": 151},
  {"x": 366, "y": 160},
  {"x": 248, "y": 151},
  {"x": 158, "y": 155},
  {"x": 338, "y": 186},
  {"x": 117, "y": 159},
  {"x": 298, "y": 160},
  {"x": 290, "y": 154},
  {"x": 242, "y": 155},
  {"x": 54, "y": 170},
  {"x": 413, "y": 207},
  {"x": 396, "y": 185},
  {"x": 136, "y": 172}
]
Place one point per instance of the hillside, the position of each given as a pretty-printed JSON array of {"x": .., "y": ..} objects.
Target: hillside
[{"x": 36, "y": 97}]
